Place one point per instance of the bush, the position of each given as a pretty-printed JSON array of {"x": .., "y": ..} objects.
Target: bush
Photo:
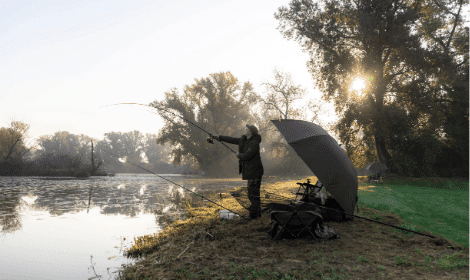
[{"x": 10, "y": 168}]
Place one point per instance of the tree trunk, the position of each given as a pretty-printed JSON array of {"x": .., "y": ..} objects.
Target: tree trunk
[
  {"x": 11, "y": 149},
  {"x": 380, "y": 119},
  {"x": 382, "y": 152}
]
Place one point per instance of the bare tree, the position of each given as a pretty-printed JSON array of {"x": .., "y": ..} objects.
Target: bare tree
[{"x": 281, "y": 94}]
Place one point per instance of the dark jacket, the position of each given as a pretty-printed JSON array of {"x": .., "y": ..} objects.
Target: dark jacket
[{"x": 250, "y": 160}]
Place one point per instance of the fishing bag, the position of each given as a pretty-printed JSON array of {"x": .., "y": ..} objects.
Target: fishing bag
[{"x": 297, "y": 221}]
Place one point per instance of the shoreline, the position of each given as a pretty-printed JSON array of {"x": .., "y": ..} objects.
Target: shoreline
[{"x": 202, "y": 246}]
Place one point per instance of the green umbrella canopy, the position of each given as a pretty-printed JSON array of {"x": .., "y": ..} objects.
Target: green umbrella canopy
[{"x": 324, "y": 157}]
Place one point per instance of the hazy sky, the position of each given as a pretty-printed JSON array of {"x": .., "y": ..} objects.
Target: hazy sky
[{"x": 61, "y": 61}]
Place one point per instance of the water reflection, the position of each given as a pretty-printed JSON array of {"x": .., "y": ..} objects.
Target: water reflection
[
  {"x": 58, "y": 197},
  {"x": 46, "y": 232}
]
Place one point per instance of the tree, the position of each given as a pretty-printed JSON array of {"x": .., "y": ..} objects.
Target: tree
[
  {"x": 279, "y": 103},
  {"x": 104, "y": 148},
  {"x": 377, "y": 41},
  {"x": 154, "y": 152},
  {"x": 93, "y": 167},
  {"x": 156, "y": 157},
  {"x": 83, "y": 148},
  {"x": 281, "y": 94},
  {"x": 12, "y": 147},
  {"x": 218, "y": 104},
  {"x": 12, "y": 141},
  {"x": 132, "y": 145},
  {"x": 359, "y": 146},
  {"x": 447, "y": 39},
  {"x": 119, "y": 149},
  {"x": 66, "y": 150},
  {"x": 61, "y": 143}
]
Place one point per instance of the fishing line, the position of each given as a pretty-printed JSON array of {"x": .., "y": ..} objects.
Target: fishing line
[
  {"x": 367, "y": 219},
  {"x": 279, "y": 196},
  {"x": 176, "y": 116},
  {"x": 360, "y": 217},
  {"x": 401, "y": 228},
  {"x": 179, "y": 186}
]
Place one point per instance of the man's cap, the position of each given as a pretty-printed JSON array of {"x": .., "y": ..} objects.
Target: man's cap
[{"x": 252, "y": 128}]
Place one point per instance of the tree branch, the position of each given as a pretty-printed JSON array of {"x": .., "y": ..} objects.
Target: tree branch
[
  {"x": 462, "y": 63},
  {"x": 455, "y": 25}
]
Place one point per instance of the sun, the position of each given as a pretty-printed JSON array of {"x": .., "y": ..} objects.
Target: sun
[{"x": 358, "y": 84}]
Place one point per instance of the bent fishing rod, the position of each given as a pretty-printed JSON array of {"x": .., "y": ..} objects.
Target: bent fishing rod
[
  {"x": 208, "y": 139},
  {"x": 201, "y": 196}
]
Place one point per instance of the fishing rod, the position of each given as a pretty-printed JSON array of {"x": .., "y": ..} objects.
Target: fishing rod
[
  {"x": 201, "y": 196},
  {"x": 367, "y": 219},
  {"x": 208, "y": 139},
  {"x": 360, "y": 217}
]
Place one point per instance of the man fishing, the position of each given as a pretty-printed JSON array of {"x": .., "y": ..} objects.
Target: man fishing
[{"x": 249, "y": 164}]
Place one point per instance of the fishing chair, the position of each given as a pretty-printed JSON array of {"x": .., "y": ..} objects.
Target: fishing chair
[
  {"x": 294, "y": 221},
  {"x": 308, "y": 193},
  {"x": 306, "y": 190}
]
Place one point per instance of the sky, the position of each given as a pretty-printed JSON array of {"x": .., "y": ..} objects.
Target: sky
[{"x": 61, "y": 62}]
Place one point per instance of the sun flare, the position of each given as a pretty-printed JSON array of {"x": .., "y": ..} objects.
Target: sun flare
[{"x": 358, "y": 84}]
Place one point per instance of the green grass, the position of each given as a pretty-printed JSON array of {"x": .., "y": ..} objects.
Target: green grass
[{"x": 439, "y": 207}]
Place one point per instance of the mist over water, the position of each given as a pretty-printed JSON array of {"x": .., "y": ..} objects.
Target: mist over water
[{"x": 59, "y": 228}]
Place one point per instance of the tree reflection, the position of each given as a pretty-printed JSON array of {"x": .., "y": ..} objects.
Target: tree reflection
[
  {"x": 10, "y": 219},
  {"x": 120, "y": 195}
]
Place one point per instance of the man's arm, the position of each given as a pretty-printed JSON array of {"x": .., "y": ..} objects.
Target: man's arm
[{"x": 231, "y": 140}]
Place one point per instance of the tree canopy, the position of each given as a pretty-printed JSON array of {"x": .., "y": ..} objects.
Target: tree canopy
[
  {"x": 13, "y": 146},
  {"x": 412, "y": 55},
  {"x": 219, "y": 104},
  {"x": 278, "y": 102},
  {"x": 12, "y": 141}
]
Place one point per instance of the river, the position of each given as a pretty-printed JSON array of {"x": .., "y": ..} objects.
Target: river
[{"x": 64, "y": 228}]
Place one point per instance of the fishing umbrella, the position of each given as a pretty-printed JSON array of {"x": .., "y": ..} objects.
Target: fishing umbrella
[
  {"x": 376, "y": 167},
  {"x": 324, "y": 157}
]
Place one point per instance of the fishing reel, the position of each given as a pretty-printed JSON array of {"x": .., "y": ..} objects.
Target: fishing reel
[{"x": 210, "y": 140}]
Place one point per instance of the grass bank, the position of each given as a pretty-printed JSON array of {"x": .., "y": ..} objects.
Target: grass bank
[
  {"x": 435, "y": 204},
  {"x": 204, "y": 247}
]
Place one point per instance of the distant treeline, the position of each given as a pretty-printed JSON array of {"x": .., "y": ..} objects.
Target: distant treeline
[{"x": 66, "y": 154}]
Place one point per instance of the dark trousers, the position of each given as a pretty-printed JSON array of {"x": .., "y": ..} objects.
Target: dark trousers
[{"x": 254, "y": 197}]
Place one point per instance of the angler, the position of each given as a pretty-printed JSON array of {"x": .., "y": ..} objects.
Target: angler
[
  {"x": 250, "y": 165},
  {"x": 310, "y": 142}
]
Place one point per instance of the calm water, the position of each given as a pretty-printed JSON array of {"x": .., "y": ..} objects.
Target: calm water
[{"x": 79, "y": 229}]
